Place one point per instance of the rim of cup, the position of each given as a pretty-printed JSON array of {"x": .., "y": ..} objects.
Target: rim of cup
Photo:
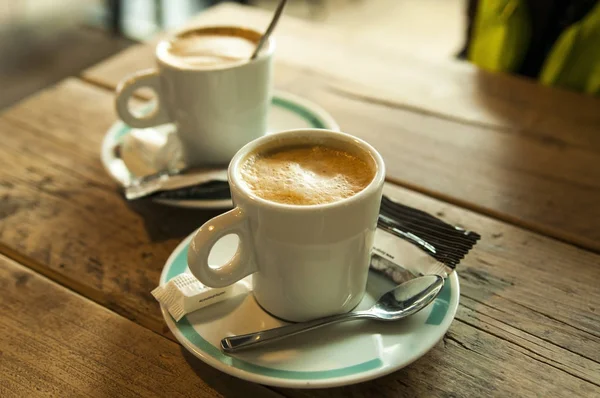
[
  {"x": 161, "y": 48},
  {"x": 236, "y": 181}
]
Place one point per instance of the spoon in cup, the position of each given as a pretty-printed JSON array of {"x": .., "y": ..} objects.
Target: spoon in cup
[{"x": 270, "y": 29}]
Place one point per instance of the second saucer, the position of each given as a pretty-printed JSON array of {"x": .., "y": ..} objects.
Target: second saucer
[{"x": 125, "y": 158}]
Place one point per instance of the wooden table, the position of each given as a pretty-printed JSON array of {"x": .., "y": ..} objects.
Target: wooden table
[{"x": 517, "y": 162}]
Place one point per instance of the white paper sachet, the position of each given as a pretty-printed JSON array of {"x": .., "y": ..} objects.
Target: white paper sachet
[
  {"x": 148, "y": 150},
  {"x": 388, "y": 248},
  {"x": 184, "y": 294}
]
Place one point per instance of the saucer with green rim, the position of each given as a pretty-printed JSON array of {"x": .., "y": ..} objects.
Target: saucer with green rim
[
  {"x": 336, "y": 355},
  {"x": 126, "y": 162}
]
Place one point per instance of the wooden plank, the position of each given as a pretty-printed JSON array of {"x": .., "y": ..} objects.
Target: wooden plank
[
  {"x": 28, "y": 48},
  {"x": 54, "y": 342},
  {"x": 527, "y": 299},
  {"x": 549, "y": 187},
  {"x": 52, "y": 176},
  {"x": 533, "y": 178},
  {"x": 500, "y": 145}
]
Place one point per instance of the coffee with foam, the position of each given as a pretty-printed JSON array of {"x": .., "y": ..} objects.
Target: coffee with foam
[
  {"x": 306, "y": 174},
  {"x": 210, "y": 48}
]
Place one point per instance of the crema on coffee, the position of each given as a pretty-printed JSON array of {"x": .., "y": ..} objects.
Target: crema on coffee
[
  {"x": 306, "y": 174},
  {"x": 211, "y": 47}
]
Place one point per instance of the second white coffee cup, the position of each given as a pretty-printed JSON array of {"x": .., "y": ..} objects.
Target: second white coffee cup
[{"x": 216, "y": 108}]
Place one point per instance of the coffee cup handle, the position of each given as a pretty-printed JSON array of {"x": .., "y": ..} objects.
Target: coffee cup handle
[
  {"x": 146, "y": 78},
  {"x": 241, "y": 264}
]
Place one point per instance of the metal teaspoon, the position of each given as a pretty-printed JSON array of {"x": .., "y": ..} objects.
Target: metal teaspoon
[
  {"x": 400, "y": 302},
  {"x": 270, "y": 28}
]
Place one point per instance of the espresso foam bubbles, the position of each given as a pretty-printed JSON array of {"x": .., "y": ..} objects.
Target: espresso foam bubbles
[
  {"x": 306, "y": 175},
  {"x": 208, "y": 49}
]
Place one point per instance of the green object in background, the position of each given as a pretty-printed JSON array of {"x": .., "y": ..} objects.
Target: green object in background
[
  {"x": 501, "y": 35},
  {"x": 593, "y": 83},
  {"x": 574, "y": 61}
]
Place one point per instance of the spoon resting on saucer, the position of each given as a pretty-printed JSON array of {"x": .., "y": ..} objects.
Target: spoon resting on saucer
[{"x": 402, "y": 301}]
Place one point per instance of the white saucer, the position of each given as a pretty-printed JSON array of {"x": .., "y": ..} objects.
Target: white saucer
[
  {"x": 287, "y": 112},
  {"x": 333, "y": 356}
]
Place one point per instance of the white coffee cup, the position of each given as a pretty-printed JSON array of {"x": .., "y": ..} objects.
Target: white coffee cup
[
  {"x": 217, "y": 109},
  {"x": 307, "y": 261}
]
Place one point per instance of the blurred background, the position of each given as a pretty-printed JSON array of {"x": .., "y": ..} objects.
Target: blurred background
[
  {"x": 553, "y": 41},
  {"x": 44, "y": 41}
]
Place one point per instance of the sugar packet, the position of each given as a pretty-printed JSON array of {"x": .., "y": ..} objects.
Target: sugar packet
[
  {"x": 410, "y": 242},
  {"x": 184, "y": 294},
  {"x": 174, "y": 184}
]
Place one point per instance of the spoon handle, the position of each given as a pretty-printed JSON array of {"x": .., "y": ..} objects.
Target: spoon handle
[
  {"x": 235, "y": 343},
  {"x": 270, "y": 28}
]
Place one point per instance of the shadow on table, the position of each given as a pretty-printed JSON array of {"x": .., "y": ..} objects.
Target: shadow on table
[
  {"x": 225, "y": 384},
  {"x": 163, "y": 222}
]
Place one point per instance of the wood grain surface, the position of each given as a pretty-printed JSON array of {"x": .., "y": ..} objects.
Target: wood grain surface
[
  {"x": 501, "y": 145},
  {"x": 528, "y": 324},
  {"x": 53, "y": 180},
  {"x": 54, "y": 342}
]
